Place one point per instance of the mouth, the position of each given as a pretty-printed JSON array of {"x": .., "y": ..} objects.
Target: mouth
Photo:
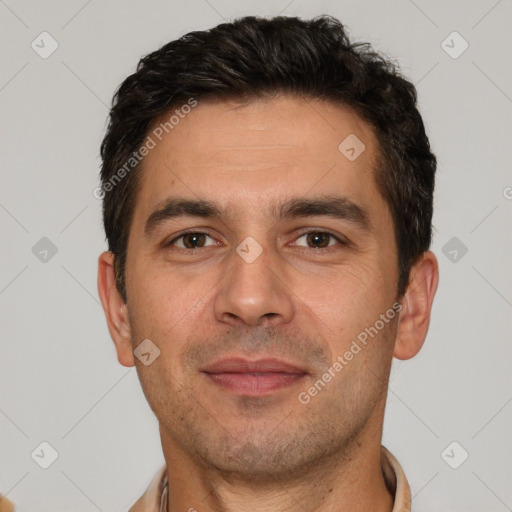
[{"x": 253, "y": 378}]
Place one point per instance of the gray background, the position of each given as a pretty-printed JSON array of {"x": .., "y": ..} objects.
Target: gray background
[{"x": 60, "y": 381}]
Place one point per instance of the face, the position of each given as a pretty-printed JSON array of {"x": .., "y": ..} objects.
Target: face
[{"x": 270, "y": 244}]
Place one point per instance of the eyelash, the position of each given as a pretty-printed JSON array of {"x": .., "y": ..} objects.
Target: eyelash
[{"x": 342, "y": 242}]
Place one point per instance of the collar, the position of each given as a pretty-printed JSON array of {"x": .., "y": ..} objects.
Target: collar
[{"x": 156, "y": 497}]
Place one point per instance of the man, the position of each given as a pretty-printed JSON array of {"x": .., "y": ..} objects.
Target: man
[{"x": 267, "y": 203}]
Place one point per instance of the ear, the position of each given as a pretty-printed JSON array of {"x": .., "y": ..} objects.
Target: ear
[
  {"x": 416, "y": 306},
  {"x": 116, "y": 311}
]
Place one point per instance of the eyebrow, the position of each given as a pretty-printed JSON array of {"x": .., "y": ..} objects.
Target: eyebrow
[{"x": 337, "y": 207}]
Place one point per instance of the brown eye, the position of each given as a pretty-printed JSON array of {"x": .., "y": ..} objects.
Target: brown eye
[
  {"x": 190, "y": 241},
  {"x": 318, "y": 239}
]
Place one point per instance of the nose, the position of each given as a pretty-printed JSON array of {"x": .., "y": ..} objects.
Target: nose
[{"x": 254, "y": 293}]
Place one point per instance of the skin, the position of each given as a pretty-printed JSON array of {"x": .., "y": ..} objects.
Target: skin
[{"x": 295, "y": 302}]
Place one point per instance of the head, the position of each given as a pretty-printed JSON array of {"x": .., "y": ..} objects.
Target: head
[{"x": 268, "y": 192}]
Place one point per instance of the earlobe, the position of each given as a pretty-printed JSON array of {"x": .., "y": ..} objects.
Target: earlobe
[
  {"x": 416, "y": 307},
  {"x": 116, "y": 311}
]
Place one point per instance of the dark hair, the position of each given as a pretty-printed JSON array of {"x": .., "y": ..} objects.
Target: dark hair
[{"x": 257, "y": 57}]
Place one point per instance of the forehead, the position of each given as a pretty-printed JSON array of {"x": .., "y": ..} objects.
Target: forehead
[{"x": 244, "y": 155}]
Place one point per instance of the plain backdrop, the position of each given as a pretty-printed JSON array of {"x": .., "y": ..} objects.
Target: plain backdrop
[{"x": 60, "y": 381}]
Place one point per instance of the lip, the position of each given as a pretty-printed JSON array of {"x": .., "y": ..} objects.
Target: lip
[
  {"x": 241, "y": 365},
  {"x": 253, "y": 378}
]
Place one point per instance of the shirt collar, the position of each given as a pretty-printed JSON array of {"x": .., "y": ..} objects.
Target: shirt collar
[{"x": 156, "y": 497}]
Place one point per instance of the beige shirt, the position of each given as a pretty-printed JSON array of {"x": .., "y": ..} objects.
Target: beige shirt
[
  {"x": 156, "y": 497},
  {"x": 5, "y": 504}
]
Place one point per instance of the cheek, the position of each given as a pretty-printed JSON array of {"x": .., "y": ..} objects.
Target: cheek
[
  {"x": 344, "y": 295},
  {"x": 165, "y": 304},
  {"x": 346, "y": 306}
]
